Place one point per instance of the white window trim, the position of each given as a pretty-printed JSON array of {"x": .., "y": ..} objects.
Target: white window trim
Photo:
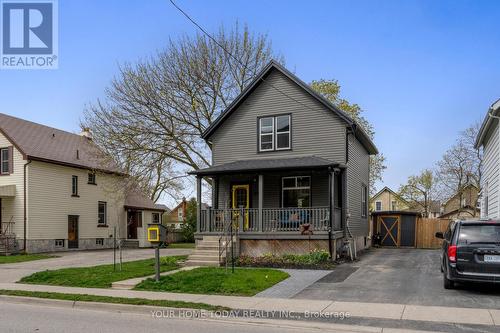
[
  {"x": 283, "y": 188},
  {"x": 378, "y": 210},
  {"x": 105, "y": 212},
  {"x": 2, "y": 161},
  {"x": 284, "y": 132},
  {"x": 271, "y": 134}
]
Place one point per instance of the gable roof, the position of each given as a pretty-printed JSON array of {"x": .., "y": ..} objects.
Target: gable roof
[
  {"x": 358, "y": 131},
  {"x": 385, "y": 188},
  {"x": 488, "y": 121},
  {"x": 48, "y": 144},
  {"x": 458, "y": 193}
]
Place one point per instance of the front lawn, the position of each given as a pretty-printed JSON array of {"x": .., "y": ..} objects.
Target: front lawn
[
  {"x": 101, "y": 276},
  {"x": 216, "y": 281},
  {"x": 23, "y": 257}
]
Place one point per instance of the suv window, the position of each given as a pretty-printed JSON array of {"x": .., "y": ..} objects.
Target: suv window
[{"x": 479, "y": 233}]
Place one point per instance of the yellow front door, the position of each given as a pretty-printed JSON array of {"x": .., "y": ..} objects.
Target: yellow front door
[{"x": 241, "y": 199}]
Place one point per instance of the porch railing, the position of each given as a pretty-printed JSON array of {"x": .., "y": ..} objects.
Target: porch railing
[{"x": 273, "y": 219}]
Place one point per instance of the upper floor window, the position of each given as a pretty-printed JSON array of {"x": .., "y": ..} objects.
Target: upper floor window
[
  {"x": 378, "y": 206},
  {"x": 364, "y": 202},
  {"x": 74, "y": 186},
  {"x": 274, "y": 133},
  {"x": 156, "y": 218},
  {"x": 102, "y": 211},
  {"x": 5, "y": 161},
  {"x": 394, "y": 205},
  {"x": 91, "y": 178},
  {"x": 180, "y": 215}
]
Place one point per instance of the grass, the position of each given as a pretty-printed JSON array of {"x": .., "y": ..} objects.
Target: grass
[
  {"x": 100, "y": 276},
  {"x": 23, "y": 257},
  {"x": 114, "y": 300},
  {"x": 216, "y": 281},
  {"x": 181, "y": 246}
]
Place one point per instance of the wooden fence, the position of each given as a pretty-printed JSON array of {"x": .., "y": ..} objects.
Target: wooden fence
[{"x": 426, "y": 230}]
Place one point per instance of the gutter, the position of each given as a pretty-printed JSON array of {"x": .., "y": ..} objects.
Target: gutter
[{"x": 25, "y": 205}]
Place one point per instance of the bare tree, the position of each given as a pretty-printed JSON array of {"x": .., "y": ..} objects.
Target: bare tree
[
  {"x": 460, "y": 166},
  {"x": 420, "y": 190},
  {"x": 156, "y": 110}
]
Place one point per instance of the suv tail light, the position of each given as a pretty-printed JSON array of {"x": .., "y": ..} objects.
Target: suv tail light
[{"x": 452, "y": 253}]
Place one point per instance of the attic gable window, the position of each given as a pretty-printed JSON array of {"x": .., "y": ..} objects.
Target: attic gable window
[{"x": 274, "y": 133}]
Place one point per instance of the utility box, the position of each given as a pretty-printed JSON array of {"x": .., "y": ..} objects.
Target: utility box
[{"x": 157, "y": 233}]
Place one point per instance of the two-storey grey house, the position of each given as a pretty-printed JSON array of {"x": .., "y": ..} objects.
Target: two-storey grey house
[{"x": 290, "y": 172}]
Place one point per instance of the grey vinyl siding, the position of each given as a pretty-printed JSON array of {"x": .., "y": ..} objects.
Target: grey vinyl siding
[
  {"x": 358, "y": 172},
  {"x": 315, "y": 129},
  {"x": 491, "y": 172},
  {"x": 272, "y": 188}
]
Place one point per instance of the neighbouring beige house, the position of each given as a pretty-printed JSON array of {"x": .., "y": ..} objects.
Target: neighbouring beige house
[
  {"x": 388, "y": 200},
  {"x": 464, "y": 205},
  {"x": 58, "y": 192}
]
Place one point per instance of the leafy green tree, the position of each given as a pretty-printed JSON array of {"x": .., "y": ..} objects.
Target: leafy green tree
[
  {"x": 189, "y": 225},
  {"x": 330, "y": 89}
]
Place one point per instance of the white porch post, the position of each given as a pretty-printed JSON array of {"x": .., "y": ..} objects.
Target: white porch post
[
  {"x": 198, "y": 202},
  {"x": 261, "y": 200}
]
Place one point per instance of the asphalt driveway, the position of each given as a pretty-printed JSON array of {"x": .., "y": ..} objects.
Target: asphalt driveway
[
  {"x": 15, "y": 271},
  {"x": 403, "y": 276}
]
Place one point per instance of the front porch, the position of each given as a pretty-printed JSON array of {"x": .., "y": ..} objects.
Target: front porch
[{"x": 294, "y": 198}]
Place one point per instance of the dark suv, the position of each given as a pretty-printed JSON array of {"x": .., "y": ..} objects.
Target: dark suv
[{"x": 470, "y": 252}]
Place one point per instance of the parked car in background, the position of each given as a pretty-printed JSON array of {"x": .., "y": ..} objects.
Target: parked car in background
[{"x": 470, "y": 252}]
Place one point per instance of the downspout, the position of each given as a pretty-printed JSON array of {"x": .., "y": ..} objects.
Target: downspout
[
  {"x": 349, "y": 130},
  {"x": 25, "y": 206},
  {"x": 330, "y": 213}
]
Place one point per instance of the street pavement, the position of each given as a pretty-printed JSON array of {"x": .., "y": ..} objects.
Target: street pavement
[{"x": 21, "y": 317}]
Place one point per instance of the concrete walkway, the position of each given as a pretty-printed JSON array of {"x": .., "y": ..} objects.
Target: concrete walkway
[
  {"x": 298, "y": 280},
  {"x": 131, "y": 283},
  {"x": 355, "y": 309}
]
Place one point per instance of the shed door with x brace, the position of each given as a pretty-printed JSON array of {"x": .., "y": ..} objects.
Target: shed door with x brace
[
  {"x": 396, "y": 230},
  {"x": 389, "y": 228}
]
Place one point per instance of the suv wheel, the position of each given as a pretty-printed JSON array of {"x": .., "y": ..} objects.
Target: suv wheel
[{"x": 448, "y": 284}]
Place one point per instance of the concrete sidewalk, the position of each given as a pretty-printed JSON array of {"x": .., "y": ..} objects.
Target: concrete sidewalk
[{"x": 355, "y": 309}]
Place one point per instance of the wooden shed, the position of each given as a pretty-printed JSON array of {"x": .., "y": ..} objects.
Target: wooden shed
[{"x": 396, "y": 228}]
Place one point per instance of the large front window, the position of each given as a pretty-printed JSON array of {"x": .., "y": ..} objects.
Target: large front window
[
  {"x": 274, "y": 133},
  {"x": 296, "y": 191}
]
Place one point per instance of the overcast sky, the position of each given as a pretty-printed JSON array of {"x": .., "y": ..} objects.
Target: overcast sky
[{"x": 421, "y": 70}]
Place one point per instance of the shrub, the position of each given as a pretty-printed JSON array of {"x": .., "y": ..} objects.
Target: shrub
[{"x": 313, "y": 259}]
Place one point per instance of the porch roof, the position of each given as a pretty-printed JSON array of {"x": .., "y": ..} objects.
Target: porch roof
[{"x": 295, "y": 163}]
